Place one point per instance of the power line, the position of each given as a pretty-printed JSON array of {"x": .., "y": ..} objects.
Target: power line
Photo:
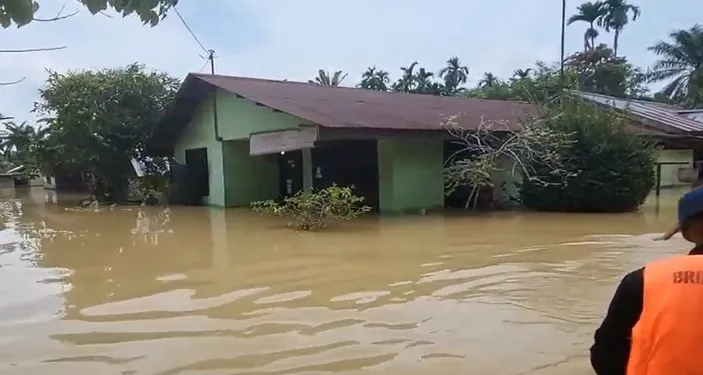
[
  {"x": 190, "y": 30},
  {"x": 207, "y": 61}
]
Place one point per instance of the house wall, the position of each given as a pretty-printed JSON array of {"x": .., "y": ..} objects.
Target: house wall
[
  {"x": 200, "y": 132},
  {"x": 669, "y": 173},
  {"x": 411, "y": 174},
  {"x": 236, "y": 178},
  {"x": 248, "y": 178},
  {"x": 239, "y": 118}
]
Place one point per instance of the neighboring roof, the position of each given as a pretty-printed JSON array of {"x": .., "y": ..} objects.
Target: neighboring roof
[
  {"x": 345, "y": 107},
  {"x": 663, "y": 117},
  {"x": 693, "y": 114}
]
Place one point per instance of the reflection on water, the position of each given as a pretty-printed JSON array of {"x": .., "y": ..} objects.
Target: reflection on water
[{"x": 209, "y": 291}]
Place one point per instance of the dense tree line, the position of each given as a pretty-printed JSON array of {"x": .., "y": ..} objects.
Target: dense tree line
[{"x": 597, "y": 68}]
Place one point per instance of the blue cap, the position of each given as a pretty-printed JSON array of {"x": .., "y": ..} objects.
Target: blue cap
[{"x": 690, "y": 205}]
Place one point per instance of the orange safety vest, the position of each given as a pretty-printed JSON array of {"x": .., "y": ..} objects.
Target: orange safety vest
[{"x": 668, "y": 338}]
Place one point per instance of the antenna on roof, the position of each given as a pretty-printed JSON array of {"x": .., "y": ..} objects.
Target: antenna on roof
[{"x": 211, "y": 58}]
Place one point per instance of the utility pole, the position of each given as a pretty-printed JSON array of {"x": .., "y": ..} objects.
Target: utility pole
[
  {"x": 211, "y": 57},
  {"x": 215, "y": 122},
  {"x": 563, "y": 38}
]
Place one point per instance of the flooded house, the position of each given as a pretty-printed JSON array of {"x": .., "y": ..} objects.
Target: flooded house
[{"x": 235, "y": 140}]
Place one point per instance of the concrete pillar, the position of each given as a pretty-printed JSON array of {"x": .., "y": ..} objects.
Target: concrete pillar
[
  {"x": 307, "y": 170},
  {"x": 411, "y": 174}
]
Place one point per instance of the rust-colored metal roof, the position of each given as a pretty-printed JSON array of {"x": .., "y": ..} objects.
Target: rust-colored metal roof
[{"x": 345, "y": 107}]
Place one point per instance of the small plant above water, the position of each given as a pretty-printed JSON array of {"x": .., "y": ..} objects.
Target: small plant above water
[{"x": 316, "y": 210}]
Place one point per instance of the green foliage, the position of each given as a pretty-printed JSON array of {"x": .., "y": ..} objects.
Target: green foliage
[
  {"x": 316, "y": 210},
  {"x": 21, "y": 144},
  {"x": 99, "y": 120},
  {"x": 150, "y": 189},
  {"x": 606, "y": 168},
  {"x": 681, "y": 61},
  {"x": 324, "y": 78},
  {"x": 22, "y": 12}
]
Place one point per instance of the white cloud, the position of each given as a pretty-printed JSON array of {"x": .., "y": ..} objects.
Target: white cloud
[{"x": 293, "y": 38}]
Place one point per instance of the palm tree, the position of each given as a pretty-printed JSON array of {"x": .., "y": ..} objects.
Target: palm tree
[
  {"x": 682, "y": 60},
  {"x": 616, "y": 15},
  {"x": 373, "y": 79},
  {"x": 522, "y": 73},
  {"x": 325, "y": 79},
  {"x": 588, "y": 12},
  {"x": 407, "y": 82},
  {"x": 454, "y": 74},
  {"x": 489, "y": 80}
]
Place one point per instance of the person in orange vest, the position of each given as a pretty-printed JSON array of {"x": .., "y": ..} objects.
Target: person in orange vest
[{"x": 653, "y": 324}]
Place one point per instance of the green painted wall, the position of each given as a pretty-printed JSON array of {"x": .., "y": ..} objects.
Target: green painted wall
[
  {"x": 669, "y": 176},
  {"x": 248, "y": 178},
  {"x": 239, "y": 118},
  {"x": 200, "y": 133},
  {"x": 411, "y": 174},
  {"x": 236, "y": 178}
]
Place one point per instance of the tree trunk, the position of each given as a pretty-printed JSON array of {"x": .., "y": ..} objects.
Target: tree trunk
[
  {"x": 593, "y": 38},
  {"x": 616, "y": 36}
]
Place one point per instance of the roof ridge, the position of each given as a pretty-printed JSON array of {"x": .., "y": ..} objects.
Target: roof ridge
[{"x": 351, "y": 88}]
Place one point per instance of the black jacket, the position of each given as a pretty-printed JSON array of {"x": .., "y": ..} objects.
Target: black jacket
[{"x": 611, "y": 347}]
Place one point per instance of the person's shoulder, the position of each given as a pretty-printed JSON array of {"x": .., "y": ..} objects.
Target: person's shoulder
[{"x": 634, "y": 279}]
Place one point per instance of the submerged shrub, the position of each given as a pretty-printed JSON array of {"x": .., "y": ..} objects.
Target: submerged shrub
[
  {"x": 607, "y": 167},
  {"x": 316, "y": 210}
]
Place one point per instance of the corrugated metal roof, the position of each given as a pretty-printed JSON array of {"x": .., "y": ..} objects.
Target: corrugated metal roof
[
  {"x": 665, "y": 117},
  {"x": 346, "y": 107},
  {"x": 693, "y": 114}
]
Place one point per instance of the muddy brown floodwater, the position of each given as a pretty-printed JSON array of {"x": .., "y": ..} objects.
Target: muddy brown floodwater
[{"x": 210, "y": 291}]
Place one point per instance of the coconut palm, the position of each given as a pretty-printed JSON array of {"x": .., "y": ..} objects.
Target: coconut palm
[
  {"x": 374, "y": 79},
  {"x": 682, "y": 60},
  {"x": 588, "y": 12},
  {"x": 616, "y": 15},
  {"x": 407, "y": 82},
  {"x": 522, "y": 73},
  {"x": 489, "y": 80},
  {"x": 325, "y": 79},
  {"x": 454, "y": 74}
]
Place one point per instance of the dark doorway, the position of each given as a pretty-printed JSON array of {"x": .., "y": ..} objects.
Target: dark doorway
[
  {"x": 290, "y": 172},
  {"x": 348, "y": 163},
  {"x": 197, "y": 174}
]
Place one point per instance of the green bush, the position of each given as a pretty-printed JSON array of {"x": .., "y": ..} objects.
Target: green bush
[
  {"x": 607, "y": 167},
  {"x": 316, "y": 210}
]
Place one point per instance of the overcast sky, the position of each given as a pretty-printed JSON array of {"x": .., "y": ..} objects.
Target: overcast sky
[{"x": 292, "y": 39}]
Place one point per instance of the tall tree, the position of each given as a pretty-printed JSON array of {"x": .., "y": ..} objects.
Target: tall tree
[
  {"x": 616, "y": 15},
  {"x": 588, "y": 12},
  {"x": 681, "y": 59},
  {"x": 21, "y": 145},
  {"x": 23, "y": 12},
  {"x": 454, "y": 75},
  {"x": 325, "y": 79},
  {"x": 406, "y": 82},
  {"x": 489, "y": 80},
  {"x": 600, "y": 71},
  {"x": 375, "y": 79},
  {"x": 522, "y": 73},
  {"x": 99, "y": 120}
]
